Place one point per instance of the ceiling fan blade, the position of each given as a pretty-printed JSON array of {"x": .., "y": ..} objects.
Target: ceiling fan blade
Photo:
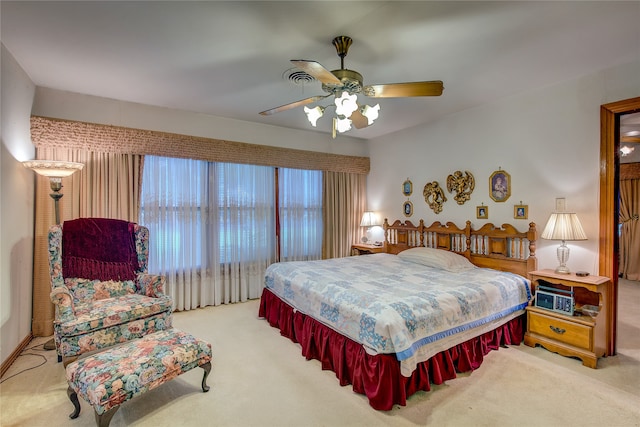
[
  {"x": 403, "y": 90},
  {"x": 293, "y": 105},
  {"x": 358, "y": 120},
  {"x": 316, "y": 70}
]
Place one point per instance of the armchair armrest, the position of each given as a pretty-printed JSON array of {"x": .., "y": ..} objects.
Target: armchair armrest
[
  {"x": 151, "y": 285},
  {"x": 62, "y": 299}
]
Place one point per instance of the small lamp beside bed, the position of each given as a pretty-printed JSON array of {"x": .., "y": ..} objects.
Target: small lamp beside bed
[
  {"x": 369, "y": 220},
  {"x": 563, "y": 226}
]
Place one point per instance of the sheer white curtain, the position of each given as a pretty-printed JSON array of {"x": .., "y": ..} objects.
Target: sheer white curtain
[
  {"x": 300, "y": 214},
  {"x": 246, "y": 238},
  {"x": 211, "y": 228}
]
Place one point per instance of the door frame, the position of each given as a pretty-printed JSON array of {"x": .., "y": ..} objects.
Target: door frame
[{"x": 609, "y": 209}]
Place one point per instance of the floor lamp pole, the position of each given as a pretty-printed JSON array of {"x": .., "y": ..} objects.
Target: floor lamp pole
[{"x": 56, "y": 186}]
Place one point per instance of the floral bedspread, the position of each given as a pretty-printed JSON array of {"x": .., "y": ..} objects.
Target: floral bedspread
[{"x": 395, "y": 306}]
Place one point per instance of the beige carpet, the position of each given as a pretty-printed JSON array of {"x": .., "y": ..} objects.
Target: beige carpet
[{"x": 260, "y": 379}]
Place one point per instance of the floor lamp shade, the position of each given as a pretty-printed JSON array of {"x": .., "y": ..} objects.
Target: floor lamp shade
[
  {"x": 55, "y": 170},
  {"x": 563, "y": 226}
]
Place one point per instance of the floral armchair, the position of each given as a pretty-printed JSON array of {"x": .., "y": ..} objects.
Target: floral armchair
[{"x": 100, "y": 286}]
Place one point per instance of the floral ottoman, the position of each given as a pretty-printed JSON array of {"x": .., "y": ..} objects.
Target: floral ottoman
[{"x": 111, "y": 377}]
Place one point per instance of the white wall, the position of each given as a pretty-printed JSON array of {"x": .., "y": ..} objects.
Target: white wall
[
  {"x": 548, "y": 140},
  {"x": 16, "y": 212}
]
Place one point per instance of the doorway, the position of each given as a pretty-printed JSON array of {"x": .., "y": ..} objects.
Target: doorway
[{"x": 609, "y": 211}]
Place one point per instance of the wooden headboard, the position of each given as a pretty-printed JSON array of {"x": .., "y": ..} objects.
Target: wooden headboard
[{"x": 501, "y": 248}]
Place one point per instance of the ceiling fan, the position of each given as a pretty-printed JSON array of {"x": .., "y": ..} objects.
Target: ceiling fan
[{"x": 345, "y": 84}]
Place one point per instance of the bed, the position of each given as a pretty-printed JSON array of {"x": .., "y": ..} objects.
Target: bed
[{"x": 391, "y": 324}]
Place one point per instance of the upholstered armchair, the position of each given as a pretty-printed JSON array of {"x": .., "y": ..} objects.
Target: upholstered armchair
[{"x": 100, "y": 286}]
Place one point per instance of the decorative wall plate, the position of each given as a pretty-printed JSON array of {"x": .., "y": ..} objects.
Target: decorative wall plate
[
  {"x": 434, "y": 196},
  {"x": 463, "y": 185}
]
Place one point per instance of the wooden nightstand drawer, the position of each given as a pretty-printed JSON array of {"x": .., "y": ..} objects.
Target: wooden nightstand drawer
[{"x": 556, "y": 328}]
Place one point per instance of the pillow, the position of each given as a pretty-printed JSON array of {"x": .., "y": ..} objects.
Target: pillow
[{"x": 437, "y": 258}]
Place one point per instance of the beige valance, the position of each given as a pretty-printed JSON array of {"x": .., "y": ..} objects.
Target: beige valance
[
  {"x": 48, "y": 132},
  {"x": 630, "y": 171}
]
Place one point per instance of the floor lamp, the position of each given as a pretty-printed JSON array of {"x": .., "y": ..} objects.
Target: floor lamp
[{"x": 55, "y": 171}]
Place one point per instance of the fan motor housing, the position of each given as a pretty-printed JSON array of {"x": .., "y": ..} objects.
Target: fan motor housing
[{"x": 351, "y": 82}]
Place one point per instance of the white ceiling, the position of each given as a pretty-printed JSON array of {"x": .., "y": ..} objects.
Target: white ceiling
[{"x": 228, "y": 58}]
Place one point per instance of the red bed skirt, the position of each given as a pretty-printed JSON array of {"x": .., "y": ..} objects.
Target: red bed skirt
[{"x": 378, "y": 376}]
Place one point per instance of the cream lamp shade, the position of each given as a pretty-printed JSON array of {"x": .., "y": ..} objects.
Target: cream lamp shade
[
  {"x": 369, "y": 219},
  {"x": 563, "y": 226},
  {"x": 55, "y": 170}
]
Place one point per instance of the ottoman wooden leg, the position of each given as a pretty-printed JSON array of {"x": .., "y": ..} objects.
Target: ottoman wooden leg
[
  {"x": 104, "y": 419},
  {"x": 207, "y": 369},
  {"x": 66, "y": 361},
  {"x": 73, "y": 396}
]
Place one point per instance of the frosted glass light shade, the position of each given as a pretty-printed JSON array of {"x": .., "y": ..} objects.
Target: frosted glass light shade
[
  {"x": 371, "y": 113},
  {"x": 313, "y": 114},
  {"x": 346, "y": 104},
  {"x": 343, "y": 125},
  {"x": 53, "y": 168}
]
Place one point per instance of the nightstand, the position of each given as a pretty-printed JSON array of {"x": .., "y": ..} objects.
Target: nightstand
[
  {"x": 580, "y": 335},
  {"x": 364, "y": 249}
]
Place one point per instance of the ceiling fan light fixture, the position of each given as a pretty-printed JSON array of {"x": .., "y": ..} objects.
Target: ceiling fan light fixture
[
  {"x": 343, "y": 125},
  {"x": 313, "y": 114},
  {"x": 625, "y": 150},
  {"x": 371, "y": 113},
  {"x": 345, "y": 85},
  {"x": 346, "y": 104}
]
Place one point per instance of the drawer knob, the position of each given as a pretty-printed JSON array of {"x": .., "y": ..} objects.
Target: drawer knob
[{"x": 557, "y": 330}]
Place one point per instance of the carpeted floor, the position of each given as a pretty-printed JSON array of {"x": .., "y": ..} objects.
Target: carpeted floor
[{"x": 260, "y": 379}]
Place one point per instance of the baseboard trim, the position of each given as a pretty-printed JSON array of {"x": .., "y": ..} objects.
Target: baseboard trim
[{"x": 13, "y": 356}]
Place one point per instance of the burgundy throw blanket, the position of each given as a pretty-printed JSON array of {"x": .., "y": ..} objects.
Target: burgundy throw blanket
[{"x": 99, "y": 248}]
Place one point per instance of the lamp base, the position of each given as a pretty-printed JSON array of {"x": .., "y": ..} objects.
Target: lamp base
[
  {"x": 563, "y": 257},
  {"x": 49, "y": 345}
]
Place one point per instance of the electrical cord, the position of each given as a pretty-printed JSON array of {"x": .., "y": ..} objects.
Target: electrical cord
[{"x": 28, "y": 354}]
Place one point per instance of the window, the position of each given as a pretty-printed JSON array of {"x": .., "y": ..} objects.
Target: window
[
  {"x": 300, "y": 214},
  {"x": 215, "y": 223}
]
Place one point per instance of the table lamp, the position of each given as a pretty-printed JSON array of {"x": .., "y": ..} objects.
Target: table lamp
[{"x": 563, "y": 226}]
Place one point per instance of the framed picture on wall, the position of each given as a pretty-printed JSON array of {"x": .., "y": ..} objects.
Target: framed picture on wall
[
  {"x": 482, "y": 212},
  {"x": 407, "y": 188},
  {"x": 520, "y": 211},
  {"x": 407, "y": 208},
  {"x": 500, "y": 186}
]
